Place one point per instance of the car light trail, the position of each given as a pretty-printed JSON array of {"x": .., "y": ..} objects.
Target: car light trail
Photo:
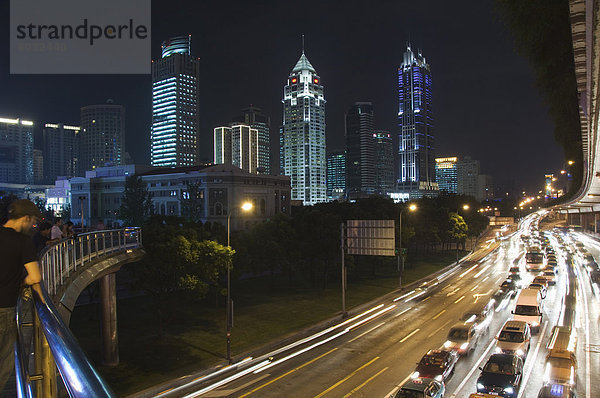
[
  {"x": 532, "y": 362},
  {"x": 469, "y": 270},
  {"x": 227, "y": 380}
]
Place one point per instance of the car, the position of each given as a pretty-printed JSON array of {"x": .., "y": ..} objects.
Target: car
[
  {"x": 480, "y": 316},
  {"x": 541, "y": 279},
  {"x": 515, "y": 278},
  {"x": 514, "y": 270},
  {"x": 421, "y": 388},
  {"x": 501, "y": 298},
  {"x": 592, "y": 266},
  {"x": 514, "y": 338},
  {"x": 436, "y": 364},
  {"x": 550, "y": 277},
  {"x": 462, "y": 338},
  {"x": 541, "y": 287},
  {"x": 557, "y": 390},
  {"x": 509, "y": 284},
  {"x": 501, "y": 375}
]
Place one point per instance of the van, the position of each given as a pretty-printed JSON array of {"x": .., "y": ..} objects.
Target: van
[
  {"x": 529, "y": 308},
  {"x": 561, "y": 364}
]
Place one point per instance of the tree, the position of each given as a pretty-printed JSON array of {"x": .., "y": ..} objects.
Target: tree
[
  {"x": 136, "y": 205},
  {"x": 46, "y": 212},
  {"x": 457, "y": 228}
]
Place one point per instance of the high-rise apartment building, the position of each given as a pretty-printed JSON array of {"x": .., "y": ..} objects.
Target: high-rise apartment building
[
  {"x": 61, "y": 151},
  {"x": 303, "y": 150},
  {"x": 416, "y": 174},
  {"x": 446, "y": 174},
  {"x": 16, "y": 151},
  {"x": 253, "y": 117},
  {"x": 384, "y": 162},
  {"x": 175, "y": 108},
  {"x": 336, "y": 175},
  {"x": 467, "y": 176},
  {"x": 360, "y": 151},
  {"x": 237, "y": 145},
  {"x": 102, "y": 136}
]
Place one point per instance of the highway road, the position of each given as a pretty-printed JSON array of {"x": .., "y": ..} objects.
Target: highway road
[{"x": 373, "y": 353}]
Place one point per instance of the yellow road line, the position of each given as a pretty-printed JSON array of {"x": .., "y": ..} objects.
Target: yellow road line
[
  {"x": 409, "y": 335},
  {"x": 366, "y": 382},
  {"x": 285, "y": 374},
  {"x": 347, "y": 377},
  {"x": 457, "y": 301},
  {"x": 439, "y": 314}
]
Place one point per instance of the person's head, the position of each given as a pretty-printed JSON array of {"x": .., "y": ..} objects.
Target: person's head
[
  {"x": 22, "y": 215},
  {"x": 58, "y": 221},
  {"x": 45, "y": 228}
]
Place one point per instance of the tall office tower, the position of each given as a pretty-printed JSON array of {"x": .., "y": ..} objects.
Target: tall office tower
[
  {"x": 38, "y": 166},
  {"x": 237, "y": 145},
  {"x": 467, "y": 171},
  {"x": 253, "y": 117},
  {"x": 446, "y": 174},
  {"x": 360, "y": 151},
  {"x": 61, "y": 151},
  {"x": 416, "y": 174},
  {"x": 336, "y": 175},
  {"x": 303, "y": 134},
  {"x": 384, "y": 162},
  {"x": 16, "y": 151},
  {"x": 175, "y": 108},
  {"x": 102, "y": 136}
]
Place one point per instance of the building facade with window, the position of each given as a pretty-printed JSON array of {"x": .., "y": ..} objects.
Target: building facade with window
[
  {"x": 336, "y": 175},
  {"x": 253, "y": 117},
  {"x": 61, "y": 151},
  {"x": 175, "y": 108},
  {"x": 238, "y": 145},
  {"x": 360, "y": 151},
  {"x": 302, "y": 144},
  {"x": 16, "y": 151},
  {"x": 446, "y": 174},
  {"x": 384, "y": 162}
]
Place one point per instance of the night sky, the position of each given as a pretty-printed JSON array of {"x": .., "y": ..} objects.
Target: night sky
[{"x": 485, "y": 102}]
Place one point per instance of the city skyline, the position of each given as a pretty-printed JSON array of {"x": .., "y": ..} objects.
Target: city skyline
[{"x": 472, "y": 98}]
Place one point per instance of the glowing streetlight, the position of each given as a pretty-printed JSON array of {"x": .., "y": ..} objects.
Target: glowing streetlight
[{"x": 411, "y": 207}]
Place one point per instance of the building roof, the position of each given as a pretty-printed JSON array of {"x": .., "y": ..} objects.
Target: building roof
[{"x": 303, "y": 64}]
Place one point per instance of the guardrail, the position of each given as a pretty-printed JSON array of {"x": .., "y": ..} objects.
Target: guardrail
[{"x": 51, "y": 344}]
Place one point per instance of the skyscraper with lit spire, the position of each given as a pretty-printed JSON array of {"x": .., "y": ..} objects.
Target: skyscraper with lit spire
[
  {"x": 302, "y": 143},
  {"x": 416, "y": 174}
]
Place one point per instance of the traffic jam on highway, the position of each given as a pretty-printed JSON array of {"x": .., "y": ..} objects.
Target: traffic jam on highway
[
  {"x": 516, "y": 318},
  {"x": 525, "y": 289}
]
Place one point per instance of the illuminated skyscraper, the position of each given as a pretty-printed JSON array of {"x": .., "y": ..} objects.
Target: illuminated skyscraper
[
  {"x": 102, "y": 136},
  {"x": 384, "y": 162},
  {"x": 16, "y": 151},
  {"x": 253, "y": 117},
  {"x": 446, "y": 174},
  {"x": 360, "y": 151},
  {"x": 61, "y": 151},
  {"x": 237, "y": 145},
  {"x": 416, "y": 174},
  {"x": 302, "y": 144},
  {"x": 175, "y": 114}
]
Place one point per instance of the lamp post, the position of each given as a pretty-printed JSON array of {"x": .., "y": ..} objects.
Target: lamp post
[
  {"x": 81, "y": 199},
  {"x": 465, "y": 207},
  {"x": 246, "y": 206},
  {"x": 411, "y": 207}
]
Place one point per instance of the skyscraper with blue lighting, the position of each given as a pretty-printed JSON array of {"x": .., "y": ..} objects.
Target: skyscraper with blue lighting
[
  {"x": 302, "y": 143},
  {"x": 175, "y": 108},
  {"x": 416, "y": 173}
]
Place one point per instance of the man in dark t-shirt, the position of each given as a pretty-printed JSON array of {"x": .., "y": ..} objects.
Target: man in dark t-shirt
[{"x": 18, "y": 264}]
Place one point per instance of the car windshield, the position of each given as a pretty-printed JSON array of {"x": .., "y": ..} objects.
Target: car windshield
[
  {"x": 528, "y": 310},
  {"x": 534, "y": 258},
  {"x": 549, "y": 273},
  {"x": 504, "y": 368},
  {"x": 512, "y": 337},
  {"x": 561, "y": 363},
  {"x": 406, "y": 393},
  {"x": 458, "y": 334}
]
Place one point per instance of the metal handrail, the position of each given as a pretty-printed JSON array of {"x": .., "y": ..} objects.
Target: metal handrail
[{"x": 52, "y": 343}]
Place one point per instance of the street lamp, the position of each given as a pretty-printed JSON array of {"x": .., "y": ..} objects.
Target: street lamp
[
  {"x": 411, "y": 207},
  {"x": 464, "y": 207},
  {"x": 246, "y": 206}
]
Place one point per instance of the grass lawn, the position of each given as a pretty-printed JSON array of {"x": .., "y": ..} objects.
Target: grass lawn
[{"x": 194, "y": 335}]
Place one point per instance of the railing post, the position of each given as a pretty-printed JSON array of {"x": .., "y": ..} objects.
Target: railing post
[
  {"x": 110, "y": 337},
  {"x": 48, "y": 368}
]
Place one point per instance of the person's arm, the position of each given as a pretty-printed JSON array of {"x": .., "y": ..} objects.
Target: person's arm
[{"x": 33, "y": 273}]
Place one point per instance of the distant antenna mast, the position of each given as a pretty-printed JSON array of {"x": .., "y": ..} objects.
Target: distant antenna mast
[{"x": 302, "y": 43}]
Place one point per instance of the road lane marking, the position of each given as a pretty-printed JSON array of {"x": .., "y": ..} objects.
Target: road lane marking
[
  {"x": 453, "y": 292},
  {"x": 438, "y": 329},
  {"x": 476, "y": 286},
  {"x": 485, "y": 279},
  {"x": 347, "y": 377},
  {"x": 532, "y": 363},
  {"x": 403, "y": 312},
  {"x": 368, "y": 331},
  {"x": 408, "y": 336},
  {"x": 290, "y": 372},
  {"x": 439, "y": 314},
  {"x": 399, "y": 385},
  {"x": 366, "y": 382},
  {"x": 459, "y": 300},
  {"x": 466, "y": 379}
]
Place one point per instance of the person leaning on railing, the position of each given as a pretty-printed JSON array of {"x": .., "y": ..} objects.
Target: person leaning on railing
[{"x": 17, "y": 255}]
